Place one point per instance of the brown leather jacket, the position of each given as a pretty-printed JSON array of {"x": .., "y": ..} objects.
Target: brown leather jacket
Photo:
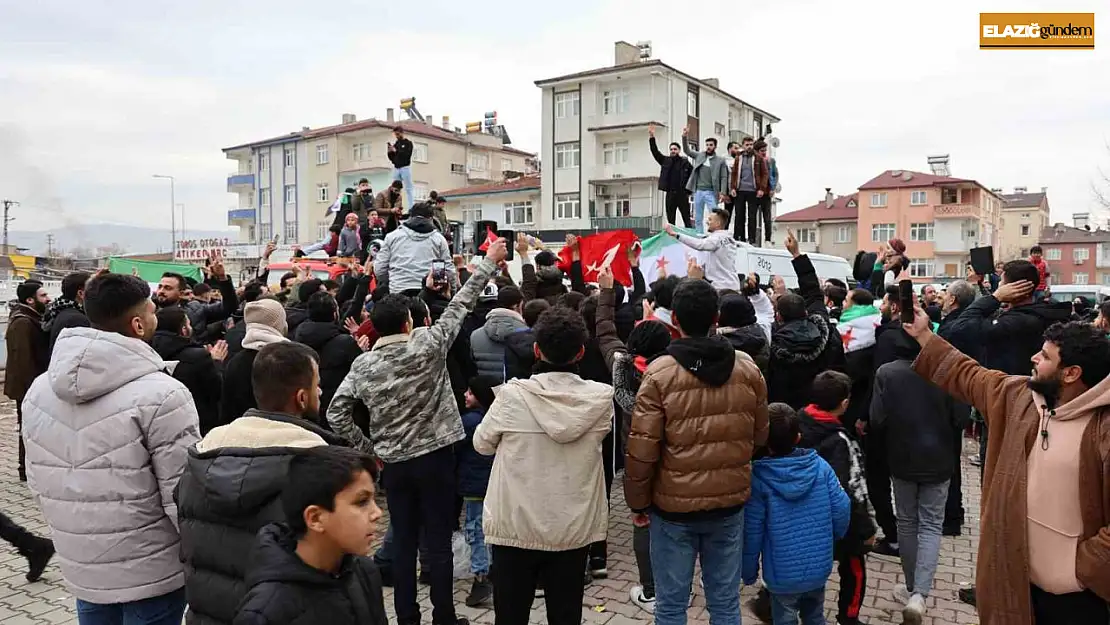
[
  {"x": 762, "y": 173},
  {"x": 691, "y": 444}
]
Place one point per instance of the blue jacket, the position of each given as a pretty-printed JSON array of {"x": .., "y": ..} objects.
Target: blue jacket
[
  {"x": 796, "y": 511},
  {"x": 474, "y": 468},
  {"x": 774, "y": 169}
]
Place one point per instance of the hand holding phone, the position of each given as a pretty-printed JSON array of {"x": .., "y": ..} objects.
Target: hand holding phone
[
  {"x": 439, "y": 273},
  {"x": 905, "y": 300}
]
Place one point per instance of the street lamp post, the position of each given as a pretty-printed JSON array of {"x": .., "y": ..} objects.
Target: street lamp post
[{"x": 173, "y": 213}]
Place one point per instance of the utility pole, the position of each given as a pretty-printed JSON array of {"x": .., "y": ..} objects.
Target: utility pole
[
  {"x": 50, "y": 245},
  {"x": 7, "y": 206},
  {"x": 173, "y": 212}
]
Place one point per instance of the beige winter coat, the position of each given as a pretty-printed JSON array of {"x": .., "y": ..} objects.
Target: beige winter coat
[{"x": 547, "y": 488}]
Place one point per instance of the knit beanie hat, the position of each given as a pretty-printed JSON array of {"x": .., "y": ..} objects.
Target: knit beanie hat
[
  {"x": 267, "y": 312},
  {"x": 649, "y": 339},
  {"x": 898, "y": 245},
  {"x": 736, "y": 311}
]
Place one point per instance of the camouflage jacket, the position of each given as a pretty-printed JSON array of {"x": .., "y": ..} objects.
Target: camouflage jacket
[{"x": 404, "y": 384}]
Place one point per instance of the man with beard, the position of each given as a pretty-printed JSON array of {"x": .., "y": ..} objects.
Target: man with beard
[
  {"x": 68, "y": 310},
  {"x": 743, "y": 183},
  {"x": 708, "y": 180},
  {"x": 674, "y": 171},
  {"x": 1044, "y": 549},
  {"x": 388, "y": 205},
  {"x": 171, "y": 292},
  {"x": 28, "y": 350}
]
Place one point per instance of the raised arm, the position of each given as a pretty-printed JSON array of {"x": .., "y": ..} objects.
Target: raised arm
[
  {"x": 659, "y": 158},
  {"x": 706, "y": 244},
  {"x": 443, "y": 332},
  {"x": 608, "y": 342}
]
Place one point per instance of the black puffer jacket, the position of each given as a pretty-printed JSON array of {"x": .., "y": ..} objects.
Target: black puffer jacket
[
  {"x": 1010, "y": 339},
  {"x": 238, "y": 392},
  {"x": 286, "y": 591},
  {"x": 235, "y": 335},
  {"x": 800, "y": 350},
  {"x": 752, "y": 341},
  {"x": 674, "y": 171},
  {"x": 68, "y": 317},
  {"x": 520, "y": 356},
  {"x": 223, "y": 498},
  {"x": 338, "y": 351},
  {"x": 197, "y": 371}
]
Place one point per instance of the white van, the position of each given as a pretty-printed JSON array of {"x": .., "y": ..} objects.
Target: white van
[
  {"x": 770, "y": 261},
  {"x": 1096, "y": 294}
]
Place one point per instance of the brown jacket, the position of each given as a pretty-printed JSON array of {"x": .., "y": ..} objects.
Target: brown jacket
[
  {"x": 28, "y": 351},
  {"x": 762, "y": 174},
  {"x": 691, "y": 444},
  {"x": 1002, "y": 575}
]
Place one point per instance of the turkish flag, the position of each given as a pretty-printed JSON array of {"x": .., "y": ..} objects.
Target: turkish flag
[
  {"x": 491, "y": 238},
  {"x": 598, "y": 250}
]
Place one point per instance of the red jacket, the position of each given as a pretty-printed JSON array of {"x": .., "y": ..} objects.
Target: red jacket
[{"x": 1042, "y": 272}]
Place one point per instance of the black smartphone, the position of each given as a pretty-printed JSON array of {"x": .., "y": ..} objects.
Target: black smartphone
[
  {"x": 510, "y": 241},
  {"x": 439, "y": 272},
  {"x": 905, "y": 300}
]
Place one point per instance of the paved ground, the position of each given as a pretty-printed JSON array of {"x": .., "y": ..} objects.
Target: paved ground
[{"x": 606, "y": 602}]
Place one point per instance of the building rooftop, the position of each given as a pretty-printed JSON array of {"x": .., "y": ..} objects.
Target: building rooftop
[
  {"x": 1061, "y": 234},
  {"x": 524, "y": 183},
  {"x": 904, "y": 179},
  {"x": 1022, "y": 200},
  {"x": 844, "y": 207}
]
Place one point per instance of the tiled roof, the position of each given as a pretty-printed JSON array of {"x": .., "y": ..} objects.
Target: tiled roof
[
  {"x": 896, "y": 179},
  {"x": 1022, "y": 200},
  {"x": 819, "y": 212},
  {"x": 1060, "y": 234},
  {"x": 524, "y": 183}
]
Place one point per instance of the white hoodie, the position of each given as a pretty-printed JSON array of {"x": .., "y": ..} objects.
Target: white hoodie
[{"x": 720, "y": 267}]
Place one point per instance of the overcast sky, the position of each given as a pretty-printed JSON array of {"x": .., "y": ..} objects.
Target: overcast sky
[{"x": 97, "y": 96}]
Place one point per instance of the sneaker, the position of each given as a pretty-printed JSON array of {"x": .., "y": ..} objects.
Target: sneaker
[
  {"x": 914, "y": 610},
  {"x": 760, "y": 605},
  {"x": 976, "y": 462},
  {"x": 598, "y": 568},
  {"x": 639, "y": 598},
  {"x": 38, "y": 557},
  {"x": 901, "y": 594},
  {"x": 539, "y": 589},
  {"x": 967, "y": 595},
  {"x": 886, "y": 548},
  {"x": 480, "y": 592}
]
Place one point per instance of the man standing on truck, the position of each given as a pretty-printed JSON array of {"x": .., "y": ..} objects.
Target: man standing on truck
[
  {"x": 400, "y": 154},
  {"x": 674, "y": 171}
]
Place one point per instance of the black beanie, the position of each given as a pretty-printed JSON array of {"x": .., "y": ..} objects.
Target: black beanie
[
  {"x": 736, "y": 311},
  {"x": 482, "y": 388},
  {"x": 649, "y": 339}
]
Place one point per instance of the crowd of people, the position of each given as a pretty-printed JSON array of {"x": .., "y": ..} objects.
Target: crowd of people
[{"x": 222, "y": 448}]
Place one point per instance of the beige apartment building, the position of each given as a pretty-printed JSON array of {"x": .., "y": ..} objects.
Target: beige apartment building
[
  {"x": 1024, "y": 217},
  {"x": 286, "y": 184}
]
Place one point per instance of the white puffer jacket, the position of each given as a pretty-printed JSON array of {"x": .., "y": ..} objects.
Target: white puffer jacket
[{"x": 107, "y": 430}]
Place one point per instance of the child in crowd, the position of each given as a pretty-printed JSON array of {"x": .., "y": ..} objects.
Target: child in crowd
[
  {"x": 313, "y": 570},
  {"x": 329, "y": 245},
  {"x": 474, "y": 470},
  {"x": 350, "y": 243},
  {"x": 797, "y": 508},
  {"x": 373, "y": 234}
]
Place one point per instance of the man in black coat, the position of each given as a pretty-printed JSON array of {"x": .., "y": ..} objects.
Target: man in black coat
[
  {"x": 234, "y": 477},
  {"x": 198, "y": 367},
  {"x": 335, "y": 345},
  {"x": 68, "y": 310},
  {"x": 674, "y": 171}
]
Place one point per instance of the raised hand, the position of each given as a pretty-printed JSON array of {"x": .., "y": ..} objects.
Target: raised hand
[
  {"x": 605, "y": 277},
  {"x": 1014, "y": 291},
  {"x": 792, "y": 244},
  {"x": 218, "y": 351},
  {"x": 651, "y": 130},
  {"x": 351, "y": 325},
  {"x": 497, "y": 251},
  {"x": 364, "y": 343}
]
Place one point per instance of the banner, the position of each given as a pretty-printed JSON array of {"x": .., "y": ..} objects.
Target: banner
[{"x": 151, "y": 270}]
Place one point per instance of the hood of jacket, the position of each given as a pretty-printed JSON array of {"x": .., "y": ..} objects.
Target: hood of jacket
[
  {"x": 259, "y": 336},
  {"x": 1047, "y": 312},
  {"x": 17, "y": 310},
  {"x": 501, "y": 322},
  {"x": 711, "y": 359},
  {"x": 802, "y": 340},
  {"x": 275, "y": 560},
  {"x": 88, "y": 364},
  {"x": 170, "y": 345},
  {"x": 564, "y": 407},
  {"x": 792, "y": 477},
  {"x": 421, "y": 227},
  {"x": 747, "y": 339},
  {"x": 316, "y": 334},
  {"x": 1093, "y": 400}
]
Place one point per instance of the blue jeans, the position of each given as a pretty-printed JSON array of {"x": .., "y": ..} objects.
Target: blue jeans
[
  {"x": 809, "y": 606},
  {"x": 703, "y": 201},
  {"x": 404, "y": 174},
  {"x": 675, "y": 547},
  {"x": 920, "y": 522},
  {"x": 479, "y": 554},
  {"x": 165, "y": 610}
]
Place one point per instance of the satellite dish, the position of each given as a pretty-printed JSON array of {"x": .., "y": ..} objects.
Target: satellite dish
[
  {"x": 775, "y": 142},
  {"x": 896, "y": 173},
  {"x": 907, "y": 176}
]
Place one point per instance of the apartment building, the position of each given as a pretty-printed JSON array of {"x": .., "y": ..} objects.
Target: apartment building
[
  {"x": 1077, "y": 255},
  {"x": 827, "y": 227},
  {"x": 512, "y": 203},
  {"x": 599, "y": 173},
  {"x": 1024, "y": 217},
  {"x": 285, "y": 184}
]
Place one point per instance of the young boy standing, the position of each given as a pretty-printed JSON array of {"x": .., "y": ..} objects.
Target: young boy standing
[
  {"x": 1036, "y": 256},
  {"x": 474, "y": 470},
  {"x": 796, "y": 510},
  {"x": 314, "y": 570}
]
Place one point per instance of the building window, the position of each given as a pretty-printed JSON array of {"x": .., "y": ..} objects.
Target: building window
[
  {"x": 323, "y": 230},
  {"x": 322, "y": 192},
  {"x": 1105, "y": 279},
  {"x": 290, "y": 157},
  {"x": 420, "y": 152},
  {"x": 615, "y": 101},
  {"x": 691, "y": 103},
  {"x": 263, "y": 161},
  {"x": 614, "y": 153},
  {"x": 923, "y": 268},
  {"x": 882, "y": 232},
  {"x": 265, "y": 232},
  {"x": 919, "y": 198},
  {"x": 617, "y": 206},
  {"x": 1079, "y": 278},
  {"x": 250, "y": 233},
  {"x": 921, "y": 232},
  {"x": 322, "y": 154},
  {"x": 471, "y": 213},
  {"x": 458, "y": 168},
  {"x": 1024, "y": 230},
  {"x": 360, "y": 152},
  {"x": 1052, "y": 253},
  {"x": 878, "y": 200},
  {"x": 807, "y": 235},
  {"x": 419, "y": 191},
  {"x": 290, "y": 194},
  {"x": 757, "y": 125},
  {"x": 518, "y": 213},
  {"x": 567, "y": 104},
  {"x": 290, "y": 232},
  {"x": 733, "y": 121},
  {"x": 1081, "y": 254},
  {"x": 949, "y": 195},
  {"x": 567, "y": 155},
  {"x": 844, "y": 234},
  {"x": 719, "y": 130},
  {"x": 568, "y": 206},
  {"x": 264, "y": 198},
  {"x": 478, "y": 161},
  {"x": 506, "y": 164}
]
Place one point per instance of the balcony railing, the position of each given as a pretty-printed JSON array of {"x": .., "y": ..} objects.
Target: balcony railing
[
  {"x": 239, "y": 180},
  {"x": 956, "y": 211},
  {"x": 627, "y": 223},
  {"x": 241, "y": 214}
]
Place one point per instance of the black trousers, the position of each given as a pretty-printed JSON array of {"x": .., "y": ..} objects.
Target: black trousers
[
  {"x": 853, "y": 587},
  {"x": 612, "y": 460},
  {"x": 641, "y": 548},
  {"x": 514, "y": 573},
  {"x": 878, "y": 486},
  {"x": 19, "y": 431},
  {"x": 954, "y": 507},
  {"x": 14, "y": 533},
  {"x": 1077, "y": 608},
  {"x": 762, "y": 208},
  {"x": 421, "y": 497},
  {"x": 679, "y": 202},
  {"x": 745, "y": 204}
]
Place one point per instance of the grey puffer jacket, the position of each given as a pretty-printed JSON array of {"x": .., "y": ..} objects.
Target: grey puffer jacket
[
  {"x": 407, "y": 254},
  {"x": 487, "y": 343},
  {"x": 107, "y": 432}
]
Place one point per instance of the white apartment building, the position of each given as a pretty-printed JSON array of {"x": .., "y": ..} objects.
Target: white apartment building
[
  {"x": 599, "y": 172},
  {"x": 286, "y": 184}
]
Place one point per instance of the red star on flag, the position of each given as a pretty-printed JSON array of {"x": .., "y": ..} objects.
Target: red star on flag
[
  {"x": 846, "y": 336},
  {"x": 661, "y": 264}
]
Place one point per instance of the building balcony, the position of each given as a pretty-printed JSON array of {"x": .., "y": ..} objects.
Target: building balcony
[
  {"x": 627, "y": 223},
  {"x": 240, "y": 182},
  {"x": 957, "y": 211},
  {"x": 236, "y": 216}
]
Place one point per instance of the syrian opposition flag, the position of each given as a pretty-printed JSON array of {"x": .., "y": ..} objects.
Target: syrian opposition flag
[
  {"x": 663, "y": 252},
  {"x": 857, "y": 327},
  {"x": 605, "y": 249}
]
